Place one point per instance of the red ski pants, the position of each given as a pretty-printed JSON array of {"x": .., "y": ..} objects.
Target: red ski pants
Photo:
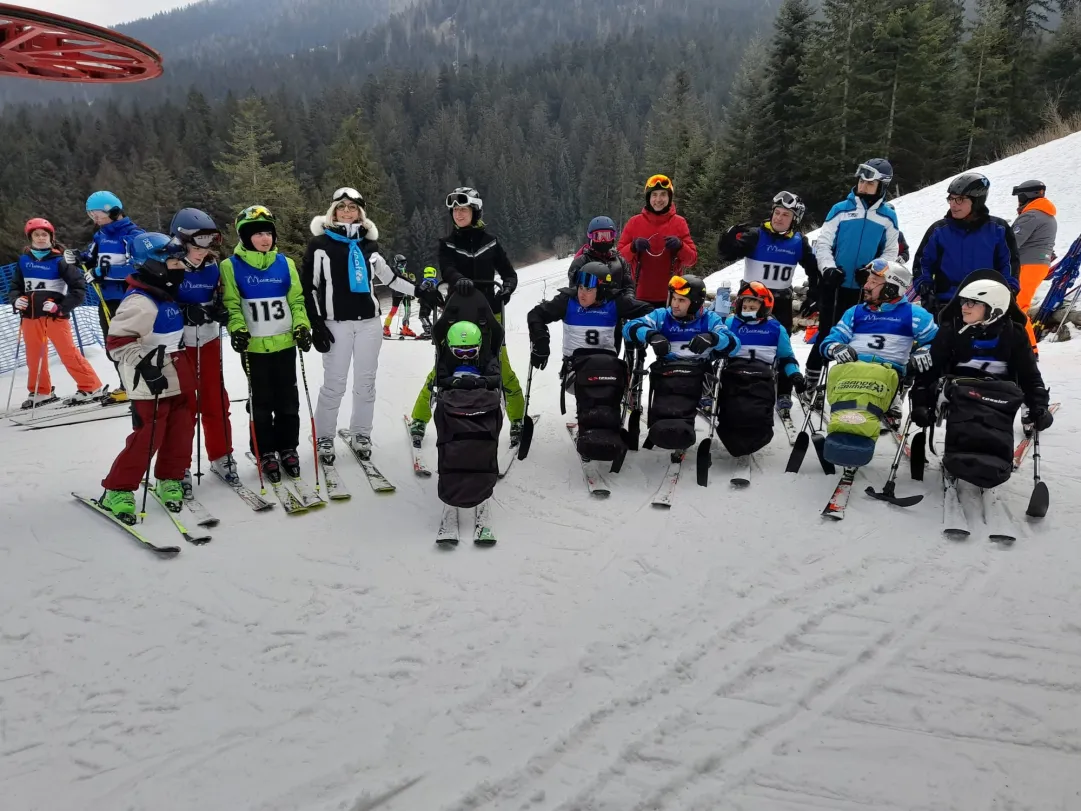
[
  {"x": 213, "y": 399},
  {"x": 172, "y": 443}
]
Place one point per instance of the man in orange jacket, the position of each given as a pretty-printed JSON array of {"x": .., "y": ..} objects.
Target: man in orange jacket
[
  {"x": 1035, "y": 229},
  {"x": 657, "y": 243}
]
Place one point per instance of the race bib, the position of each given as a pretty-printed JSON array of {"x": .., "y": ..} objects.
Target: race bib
[
  {"x": 772, "y": 275},
  {"x": 267, "y": 317}
]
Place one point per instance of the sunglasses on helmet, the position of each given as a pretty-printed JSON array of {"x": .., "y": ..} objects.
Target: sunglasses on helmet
[
  {"x": 865, "y": 172},
  {"x": 465, "y": 352},
  {"x": 659, "y": 182}
]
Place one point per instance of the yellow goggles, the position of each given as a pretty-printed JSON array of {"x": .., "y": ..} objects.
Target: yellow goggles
[
  {"x": 256, "y": 213},
  {"x": 659, "y": 182}
]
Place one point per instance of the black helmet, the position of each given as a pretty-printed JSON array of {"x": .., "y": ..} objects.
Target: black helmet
[
  {"x": 399, "y": 261},
  {"x": 970, "y": 184},
  {"x": 1029, "y": 190},
  {"x": 594, "y": 274},
  {"x": 690, "y": 286}
]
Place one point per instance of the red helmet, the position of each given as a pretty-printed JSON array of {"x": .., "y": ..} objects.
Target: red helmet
[
  {"x": 39, "y": 223},
  {"x": 759, "y": 291}
]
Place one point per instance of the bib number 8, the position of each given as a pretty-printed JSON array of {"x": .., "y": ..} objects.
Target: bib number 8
[
  {"x": 271, "y": 310},
  {"x": 592, "y": 337}
]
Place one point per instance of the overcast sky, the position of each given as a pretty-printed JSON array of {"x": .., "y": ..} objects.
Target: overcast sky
[{"x": 104, "y": 12}]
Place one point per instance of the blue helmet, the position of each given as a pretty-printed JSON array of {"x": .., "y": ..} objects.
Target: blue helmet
[
  {"x": 602, "y": 233},
  {"x": 104, "y": 201},
  {"x": 190, "y": 225},
  {"x": 150, "y": 250}
]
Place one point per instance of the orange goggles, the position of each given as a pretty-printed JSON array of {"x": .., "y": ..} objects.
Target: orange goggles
[
  {"x": 659, "y": 182},
  {"x": 679, "y": 286}
]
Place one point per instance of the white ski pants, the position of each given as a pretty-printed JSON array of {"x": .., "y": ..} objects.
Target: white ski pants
[{"x": 356, "y": 342}]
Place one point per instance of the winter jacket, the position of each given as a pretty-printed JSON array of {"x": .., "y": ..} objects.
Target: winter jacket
[
  {"x": 884, "y": 333},
  {"x": 109, "y": 253},
  {"x": 48, "y": 279},
  {"x": 262, "y": 294},
  {"x": 681, "y": 332},
  {"x": 1035, "y": 230},
  {"x": 955, "y": 248},
  {"x": 622, "y": 279},
  {"x": 146, "y": 320},
  {"x": 201, "y": 290},
  {"x": 771, "y": 258},
  {"x": 655, "y": 268},
  {"x": 595, "y": 327},
  {"x": 473, "y": 253},
  {"x": 325, "y": 273},
  {"x": 854, "y": 234},
  {"x": 765, "y": 340}
]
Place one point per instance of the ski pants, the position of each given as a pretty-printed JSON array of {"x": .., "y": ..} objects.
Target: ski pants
[
  {"x": 212, "y": 401},
  {"x": 38, "y": 333},
  {"x": 1030, "y": 278},
  {"x": 356, "y": 343},
  {"x": 396, "y": 299},
  {"x": 275, "y": 400},
  {"x": 173, "y": 434},
  {"x": 512, "y": 390},
  {"x": 830, "y": 309},
  {"x": 106, "y": 311}
]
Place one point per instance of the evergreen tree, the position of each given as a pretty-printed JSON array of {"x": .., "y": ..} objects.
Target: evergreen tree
[
  {"x": 986, "y": 84},
  {"x": 153, "y": 196}
]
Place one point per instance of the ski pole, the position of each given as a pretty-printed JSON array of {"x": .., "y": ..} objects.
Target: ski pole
[
  {"x": 251, "y": 424},
  {"x": 198, "y": 410},
  {"x": 14, "y": 366},
  {"x": 888, "y": 492},
  {"x": 226, "y": 427},
  {"x": 153, "y": 432},
  {"x": 1040, "y": 499},
  {"x": 527, "y": 426},
  {"x": 102, "y": 304},
  {"x": 311, "y": 413}
]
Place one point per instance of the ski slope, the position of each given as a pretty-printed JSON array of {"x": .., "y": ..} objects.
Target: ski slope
[{"x": 735, "y": 653}]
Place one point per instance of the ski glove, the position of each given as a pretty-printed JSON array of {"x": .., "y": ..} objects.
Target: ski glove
[
  {"x": 50, "y": 307},
  {"x": 303, "y": 336},
  {"x": 920, "y": 360},
  {"x": 702, "y": 342},
  {"x": 240, "y": 340},
  {"x": 21, "y": 303},
  {"x": 843, "y": 353},
  {"x": 660, "y": 344},
  {"x": 151, "y": 374},
  {"x": 673, "y": 244},
  {"x": 195, "y": 315},
  {"x": 832, "y": 278},
  {"x": 322, "y": 337},
  {"x": 538, "y": 354},
  {"x": 640, "y": 244},
  {"x": 509, "y": 286},
  {"x": 71, "y": 258},
  {"x": 464, "y": 286},
  {"x": 1041, "y": 419},
  {"x": 747, "y": 238},
  {"x": 810, "y": 304},
  {"x": 799, "y": 383}
]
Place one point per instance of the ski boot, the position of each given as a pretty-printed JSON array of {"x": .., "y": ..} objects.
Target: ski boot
[
  {"x": 416, "y": 431},
  {"x": 121, "y": 503},
  {"x": 171, "y": 493},
  {"x": 272, "y": 471},
  {"x": 676, "y": 457},
  {"x": 386, "y": 331},
  {"x": 37, "y": 400},
  {"x": 361, "y": 445},
  {"x": 119, "y": 395},
  {"x": 516, "y": 432},
  {"x": 291, "y": 463},
  {"x": 81, "y": 397},
  {"x": 189, "y": 490},
  {"x": 784, "y": 406},
  {"x": 407, "y": 332},
  {"x": 325, "y": 447},
  {"x": 225, "y": 467}
]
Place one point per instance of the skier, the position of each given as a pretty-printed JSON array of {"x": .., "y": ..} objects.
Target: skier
[
  {"x": 45, "y": 291},
  {"x": 880, "y": 334},
  {"x": 402, "y": 300},
  {"x": 860, "y": 228},
  {"x": 430, "y": 278},
  {"x": 968, "y": 238},
  {"x": 1034, "y": 231},
  {"x": 262, "y": 296},
  {"x": 601, "y": 247},
  {"x": 771, "y": 252},
  {"x": 470, "y": 256},
  {"x": 747, "y": 398},
  {"x": 107, "y": 259},
  {"x": 200, "y": 300},
  {"x": 981, "y": 369},
  {"x": 338, "y": 275},
  {"x": 144, "y": 338},
  {"x": 687, "y": 339},
  {"x": 657, "y": 242},
  {"x": 591, "y": 310}
]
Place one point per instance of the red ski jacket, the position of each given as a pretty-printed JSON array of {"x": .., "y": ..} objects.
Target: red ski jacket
[{"x": 654, "y": 268}]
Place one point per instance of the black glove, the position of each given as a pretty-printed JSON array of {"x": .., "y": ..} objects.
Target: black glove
[
  {"x": 322, "y": 337},
  {"x": 832, "y": 278},
  {"x": 660, "y": 344},
  {"x": 509, "y": 286},
  {"x": 240, "y": 340},
  {"x": 810, "y": 304},
  {"x": 673, "y": 244},
  {"x": 922, "y": 416},
  {"x": 538, "y": 354},
  {"x": 467, "y": 382},
  {"x": 303, "y": 336},
  {"x": 1041, "y": 418},
  {"x": 702, "y": 342},
  {"x": 151, "y": 374},
  {"x": 799, "y": 383},
  {"x": 195, "y": 315},
  {"x": 464, "y": 286},
  {"x": 219, "y": 314},
  {"x": 639, "y": 245},
  {"x": 747, "y": 237},
  {"x": 427, "y": 293},
  {"x": 843, "y": 353}
]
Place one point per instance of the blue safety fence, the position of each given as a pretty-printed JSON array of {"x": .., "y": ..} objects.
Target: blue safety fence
[{"x": 84, "y": 323}]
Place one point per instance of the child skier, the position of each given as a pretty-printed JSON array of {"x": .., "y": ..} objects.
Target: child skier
[
  {"x": 400, "y": 299},
  {"x": 199, "y": 297},
  {"x": 144, "y": 339},
  {"x": 267, "y": 323},
  {"x": 591, "y": 310},
  {"x": 430, "y": 279},
  {"x": 600, "y": 247},
  {"x": 45, "y": 291}
]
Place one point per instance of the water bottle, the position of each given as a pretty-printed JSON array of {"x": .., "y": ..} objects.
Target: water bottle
[{"x": 722, "y": 304}]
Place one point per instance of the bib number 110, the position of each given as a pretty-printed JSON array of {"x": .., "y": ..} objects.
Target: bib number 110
[{"x": 781, "y": 273}]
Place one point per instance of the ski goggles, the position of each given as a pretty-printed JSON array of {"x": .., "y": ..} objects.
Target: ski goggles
[
  {"x": 659, "y": 182},
  {"x": 465, "y": 352},
  {"x": 679, "y": 286},
  {"x": 587, "y": 280},
  {"x": 200, "y": 239},
  {"x": 786, "y": 199},
  {"x": 602, "y": 235},
  {"x": 256, "y": 213},
  {"x": 865, "y": 172},
  {"x": 458, "y": 199},
  {"x": 348, "y": 193}
]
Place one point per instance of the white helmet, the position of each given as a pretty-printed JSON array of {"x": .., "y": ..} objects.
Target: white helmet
[
  {"x": 994, "y": 294},
  {"x": 465, "y": 196},
  {"x": 898, "y": 278}
]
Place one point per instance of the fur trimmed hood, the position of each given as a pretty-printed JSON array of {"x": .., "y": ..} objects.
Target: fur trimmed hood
[{"x": 366, "y": 227}]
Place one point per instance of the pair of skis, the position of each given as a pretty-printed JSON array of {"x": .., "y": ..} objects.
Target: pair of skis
[
  {"x": 193, "y": 537},
  {"x": 449, "y": 529},
  {"x": 955, "y": 523},
  {"x": 378, "y": 482},
  {"x": 294, "y": 494}
]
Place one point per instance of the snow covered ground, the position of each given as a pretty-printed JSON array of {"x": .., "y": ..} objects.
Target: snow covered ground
[{"x": 735, "y": 652}]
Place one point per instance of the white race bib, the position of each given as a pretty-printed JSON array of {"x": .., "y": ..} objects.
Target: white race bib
[
  {"x": 267, "y": 317},
  {"x": 772, "y": 275}
]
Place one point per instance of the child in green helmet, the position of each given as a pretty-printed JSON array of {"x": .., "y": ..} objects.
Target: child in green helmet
[{"x": 463, "y": 365}]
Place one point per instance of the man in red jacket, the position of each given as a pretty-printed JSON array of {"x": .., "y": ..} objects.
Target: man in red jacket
[{"x": 657, "y": 243}]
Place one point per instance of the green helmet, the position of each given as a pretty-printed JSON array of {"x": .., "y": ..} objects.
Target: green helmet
[
  {"x": 464, "y": 334},
  {"x": 253, "y": 214},
  {"x": 430, "y": 272}
]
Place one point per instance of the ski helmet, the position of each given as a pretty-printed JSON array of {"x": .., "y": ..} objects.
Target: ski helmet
[
  {"x": 659, "y": 182},
  {"x": 149, "y": 254},
  {"x": 690, "y": 286},
  {"x": 194, "y": 227},
  {"x": 898, "y": 278},
  {"x": 253, "y": 220},
  {"x": 601, "y": 234},
  {"x": 105, "y": 201},
  {"x": 348, "y": 193},
  {"x": 1028, "y": 191},
  {"x": 464, "y": 196},
  {"x": 791, "y": 202},
  {"x": 994, "y": 294},
  {"x": 464, "y": 339},
  {"x": 878, "y": 169},
  {"x": 758, "y": 292},
  {"x": 971, "y": 184},
  {"x": 399, "y": 262},
  {"x": 594, "y": 275},
  {"x": 39, "y": 224}
]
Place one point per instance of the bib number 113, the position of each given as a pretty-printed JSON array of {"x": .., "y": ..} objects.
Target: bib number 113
[{"x": 266, "y": 310}]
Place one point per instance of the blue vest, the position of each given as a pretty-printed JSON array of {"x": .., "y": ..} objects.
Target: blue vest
[
  {"x": 883, "y": 335},
  {"x": 589, "y": 327},
  {"x": 773, "y": 260},
  {"x": 168, "y": 324},
  {"x": 199, "y": 285},
  {"x": 265, "y": 296},
  {"x": 679, "y": 333},
  {"x": 758, "y": 339},
  {"x": 113, "y": 258},
  {"x": 42, "y": 274},
  {"x": 986, "y": 357}
]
